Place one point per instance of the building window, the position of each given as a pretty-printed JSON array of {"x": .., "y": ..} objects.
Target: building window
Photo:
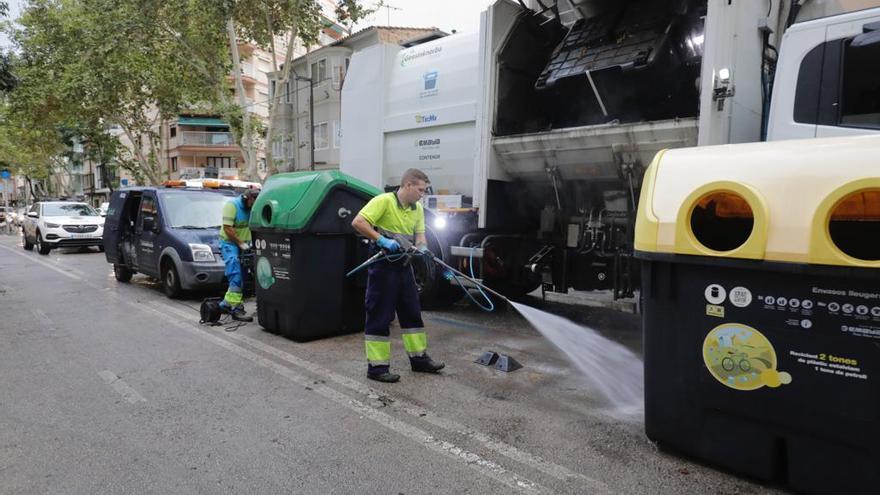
[
  {"x": 172, "y": 131},
  {"x": 319, "y": 71},
  {"x": 174, "y": 164},
  {"x": 322, "y": 136},
  {"x": 219, "y": 161}
]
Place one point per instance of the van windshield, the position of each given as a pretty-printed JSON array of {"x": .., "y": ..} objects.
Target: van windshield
[{"x": 194, "y": 210}]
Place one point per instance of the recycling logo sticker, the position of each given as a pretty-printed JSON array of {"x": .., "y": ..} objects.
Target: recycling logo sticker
[
  {"x": 742, "y": 358},
  {"x": 265, "y": 274}
]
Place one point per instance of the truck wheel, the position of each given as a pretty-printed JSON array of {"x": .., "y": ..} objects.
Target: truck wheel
[
  {"x": 434, "y": 291},
  {"x": 25, "y": 243},
  {"x": 122, "y": 273},
  {"x": 42, "y": 247},
  {"x": 170, "y": 280}
]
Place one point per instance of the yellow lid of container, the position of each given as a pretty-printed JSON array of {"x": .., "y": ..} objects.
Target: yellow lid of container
[{"x": 803, "y": 201}]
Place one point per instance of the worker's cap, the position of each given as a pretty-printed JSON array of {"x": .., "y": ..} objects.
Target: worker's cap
[{"x": 252, "y": 193}]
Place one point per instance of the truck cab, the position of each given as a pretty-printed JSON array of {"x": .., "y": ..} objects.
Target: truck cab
[{"x": 171, "y": 234}]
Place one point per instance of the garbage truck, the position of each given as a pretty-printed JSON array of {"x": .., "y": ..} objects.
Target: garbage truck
[{"x": 536, "y": 131}]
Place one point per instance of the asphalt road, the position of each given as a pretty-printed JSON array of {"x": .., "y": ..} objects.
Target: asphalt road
[{"x": 113, "y": 388}]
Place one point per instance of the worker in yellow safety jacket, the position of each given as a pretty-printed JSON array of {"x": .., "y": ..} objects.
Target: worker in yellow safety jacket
[
  {"x": 391, "y": 285},
  {"x": 235, "y": 237}
]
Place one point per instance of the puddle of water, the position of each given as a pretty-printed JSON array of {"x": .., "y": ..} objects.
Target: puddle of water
[{"x": 615, "y": 371}]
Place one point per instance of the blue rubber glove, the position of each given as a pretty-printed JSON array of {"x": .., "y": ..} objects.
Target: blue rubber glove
[
  {"x": 423, "y": 248},
  {"x": 448, "y": 275},
  {"x": 387, "y": 244}
]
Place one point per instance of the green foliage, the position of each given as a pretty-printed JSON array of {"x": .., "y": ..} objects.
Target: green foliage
[{"x": 81, "y": 65}]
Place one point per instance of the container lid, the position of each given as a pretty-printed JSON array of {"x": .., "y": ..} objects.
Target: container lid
[
  {"x": 289, "y": 201},
  {"x": 811, "y": 201}
]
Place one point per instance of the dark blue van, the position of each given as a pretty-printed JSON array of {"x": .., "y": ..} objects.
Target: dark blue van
[{"x": 169, "y": 233}]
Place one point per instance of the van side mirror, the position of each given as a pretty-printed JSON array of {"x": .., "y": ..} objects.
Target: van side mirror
[{"x": 33, "y": 214}]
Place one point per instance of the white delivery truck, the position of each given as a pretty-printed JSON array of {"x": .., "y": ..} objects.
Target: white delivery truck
[{"x": 536, "y": 132}]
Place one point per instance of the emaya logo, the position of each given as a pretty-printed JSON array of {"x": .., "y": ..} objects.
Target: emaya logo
[
  {"x": 408, "y": 56},
  {"x": 424, "y": 119}
]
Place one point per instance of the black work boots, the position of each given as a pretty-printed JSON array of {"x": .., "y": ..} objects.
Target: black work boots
[
  {"x": 384, "y": 377},
  {"x": 420, "y": 364},
  {"x": 424, "y": 364}
]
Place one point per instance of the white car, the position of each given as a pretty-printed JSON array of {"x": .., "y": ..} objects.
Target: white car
[{"x": 53, "y": 224}]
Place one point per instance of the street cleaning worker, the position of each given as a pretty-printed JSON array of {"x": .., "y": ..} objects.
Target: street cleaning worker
[
  {"x": 235, "y": 237},
  {"x": 391, "y": 285}
]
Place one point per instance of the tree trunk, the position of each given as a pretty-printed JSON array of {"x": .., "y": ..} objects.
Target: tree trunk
[
  {"x": 247, "y": 133},
  {"x": 143, "y": 161}
]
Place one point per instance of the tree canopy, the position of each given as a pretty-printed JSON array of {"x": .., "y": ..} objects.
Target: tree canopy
[{"x": 87, "y": 65}]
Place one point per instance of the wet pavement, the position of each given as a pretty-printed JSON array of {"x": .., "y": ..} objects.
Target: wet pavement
[{"x": 114, "y": 388}]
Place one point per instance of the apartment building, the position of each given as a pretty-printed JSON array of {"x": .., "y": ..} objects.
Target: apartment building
[
  {"x": 198, "y": 144},
  {"x": 312, "y": 97}
]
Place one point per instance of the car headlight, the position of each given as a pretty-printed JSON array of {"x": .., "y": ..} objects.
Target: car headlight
[
  {"x": 439, "y": 222},
  {"x": 52, "y": 225},
  {"x": 201, "y": 252}
]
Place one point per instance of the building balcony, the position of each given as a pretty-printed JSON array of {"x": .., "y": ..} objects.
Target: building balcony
[{"x": 202, "y": 139}]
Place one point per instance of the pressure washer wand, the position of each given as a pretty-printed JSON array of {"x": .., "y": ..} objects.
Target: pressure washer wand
[
  {"x": 453, "y": 270},
  {"x": 365, "y": 263}
]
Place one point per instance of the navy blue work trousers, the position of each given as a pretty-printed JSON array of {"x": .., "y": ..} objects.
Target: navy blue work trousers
[{"x": 391, "y": 287}]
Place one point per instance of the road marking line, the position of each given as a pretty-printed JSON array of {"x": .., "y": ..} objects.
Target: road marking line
[
  {"x": 41, "y": 262},
  {"x": 119, "y": 385},
  {"x": 448, "y": 449},
  {"x": 526, "y": 458}
]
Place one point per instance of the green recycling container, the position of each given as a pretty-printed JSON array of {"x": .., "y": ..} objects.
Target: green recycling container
[{"x": 304, "y": 246}]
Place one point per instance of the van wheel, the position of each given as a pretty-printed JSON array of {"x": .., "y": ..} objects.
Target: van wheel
[
  {"x": 170, "y": 280},
  {"x": 42, "y": 247},
  {"x": 25, "y": 243},
  {"x": 122, "y": 273}
]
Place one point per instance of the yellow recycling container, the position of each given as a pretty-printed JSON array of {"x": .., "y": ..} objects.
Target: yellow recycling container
[{"x": 761, "y": 308}]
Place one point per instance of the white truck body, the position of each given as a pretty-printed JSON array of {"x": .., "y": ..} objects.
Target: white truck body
[{"x": 436, "y": 107}]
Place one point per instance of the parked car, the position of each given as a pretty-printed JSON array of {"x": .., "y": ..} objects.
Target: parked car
[
  {"x": 168, "y": 233},
  {"x": 53, "y": 224}
]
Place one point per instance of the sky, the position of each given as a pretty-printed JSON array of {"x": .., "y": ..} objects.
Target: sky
[
  {"x": 460, "y": 15},
  {"x": 463, "y": 16},
  {"x": 14, "y": 10}
]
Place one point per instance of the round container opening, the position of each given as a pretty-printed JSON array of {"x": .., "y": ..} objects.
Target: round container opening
[
  {"x": 267, "y": 214},
  {"x": 722, "y": 221},
  {"x": 854, "y": 225}
]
